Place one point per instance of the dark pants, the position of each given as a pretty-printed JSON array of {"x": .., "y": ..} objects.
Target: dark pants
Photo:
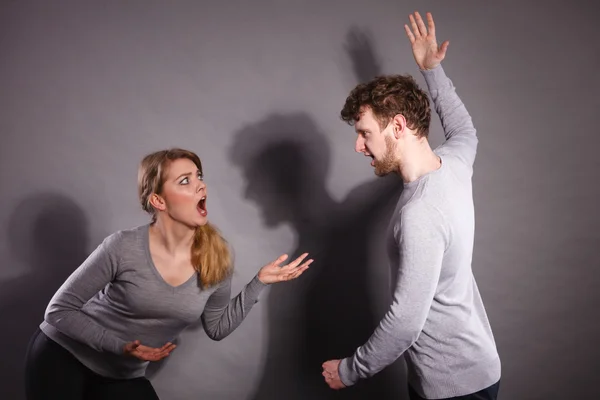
[
  {"x": 489, "y": 393},
  {"x": 51, "y": 372}
]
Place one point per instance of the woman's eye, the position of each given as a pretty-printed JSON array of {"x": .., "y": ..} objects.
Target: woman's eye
[
  {"x": 184, "y": 181},
  {"x": 201, "y": 177}
]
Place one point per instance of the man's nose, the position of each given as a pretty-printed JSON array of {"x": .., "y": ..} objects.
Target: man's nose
[{"x": 359, "y": 146}]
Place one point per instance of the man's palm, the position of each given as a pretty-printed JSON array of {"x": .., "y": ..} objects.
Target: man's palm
[{"x": 424, "y": 45}]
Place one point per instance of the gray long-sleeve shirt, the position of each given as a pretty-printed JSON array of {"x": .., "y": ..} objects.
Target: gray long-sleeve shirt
[
  {"x": 117, "y": 296},
  {"x": 437, "y": 317}
]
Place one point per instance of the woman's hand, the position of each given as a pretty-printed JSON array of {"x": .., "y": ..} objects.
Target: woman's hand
[
  {"x": 273, "y": 272},
  {"x": 145, "y": 353}
]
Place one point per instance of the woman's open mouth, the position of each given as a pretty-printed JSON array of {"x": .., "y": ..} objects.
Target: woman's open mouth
[{"x": 202, "y": 207}]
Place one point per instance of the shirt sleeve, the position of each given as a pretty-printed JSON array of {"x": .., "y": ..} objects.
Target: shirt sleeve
[
  {"x": 459, "y": 131},
  {"x": 222, "y": 315},
  {"x": 64, "y": 312},
  {"x": 421, "y": 240}
]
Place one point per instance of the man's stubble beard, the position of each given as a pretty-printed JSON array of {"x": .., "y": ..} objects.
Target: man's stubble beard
[{"x": 389, "y": 163}]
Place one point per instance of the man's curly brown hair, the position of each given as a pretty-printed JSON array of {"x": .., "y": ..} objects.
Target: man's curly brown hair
[{"x": 388, "y": 96}]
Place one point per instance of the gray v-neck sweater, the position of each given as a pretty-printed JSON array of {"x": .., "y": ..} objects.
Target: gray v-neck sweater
[
  {"x": 117, "y": 296},
  {"x": 437, "y": 318}
]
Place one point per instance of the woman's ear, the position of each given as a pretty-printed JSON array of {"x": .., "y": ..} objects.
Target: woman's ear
[{"x": 158, "y": 202}]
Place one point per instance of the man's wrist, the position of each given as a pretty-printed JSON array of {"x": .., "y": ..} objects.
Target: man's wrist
[
  {"x": 347, "y": 375},
  {"x": 429, "y": 68}
]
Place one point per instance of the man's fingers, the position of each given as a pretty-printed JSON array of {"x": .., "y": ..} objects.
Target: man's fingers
[
  {"x": 411, "y": 37},
  {"x": 421, "y": 24},
  {"x": 431, "y": 24},
  {"x": 415, "y": 28},
  {"x": 443, "y": 48}
]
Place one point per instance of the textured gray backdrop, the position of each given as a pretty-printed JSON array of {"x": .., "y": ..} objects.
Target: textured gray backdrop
[{"x": 88, "y": 88}]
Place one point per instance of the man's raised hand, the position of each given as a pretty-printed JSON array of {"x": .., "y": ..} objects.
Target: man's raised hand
[{"x": 426, "y": 51}]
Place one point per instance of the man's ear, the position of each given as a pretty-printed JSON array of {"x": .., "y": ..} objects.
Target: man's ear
[
  {"x": 399, "y": 125},
  {"x": 157, "y": 202}
]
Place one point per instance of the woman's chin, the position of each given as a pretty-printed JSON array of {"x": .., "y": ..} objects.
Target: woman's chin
[{"x": 201, "y": 221}]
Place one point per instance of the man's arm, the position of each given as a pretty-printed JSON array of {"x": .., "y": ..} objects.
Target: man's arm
[
  {"x": 461, "y": 138},
  {"x": 421, "y": 238}
]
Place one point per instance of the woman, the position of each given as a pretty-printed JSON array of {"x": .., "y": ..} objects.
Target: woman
[{"x": 123, "y": 307}]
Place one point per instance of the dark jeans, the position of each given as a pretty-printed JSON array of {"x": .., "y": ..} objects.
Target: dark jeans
[
  {"x": 489, "y": 393},
  {"x": 51, "y": 372}
]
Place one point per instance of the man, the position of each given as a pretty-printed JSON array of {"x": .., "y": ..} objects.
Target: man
[{"x": 437, "y": 318}]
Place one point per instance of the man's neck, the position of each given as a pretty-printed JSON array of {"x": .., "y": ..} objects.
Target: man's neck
[{"x": 417, "y": 162}]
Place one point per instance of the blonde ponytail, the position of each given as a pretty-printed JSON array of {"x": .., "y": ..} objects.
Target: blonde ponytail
[{"x": 211, "y": 256}]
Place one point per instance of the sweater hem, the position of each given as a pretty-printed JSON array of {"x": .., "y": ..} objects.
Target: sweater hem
[{"x": 464, "y": 382}]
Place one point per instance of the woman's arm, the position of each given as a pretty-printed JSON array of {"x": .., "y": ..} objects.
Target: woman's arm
[
  {"x": 64, "y": 310},
  {"x": 223, "y": 315}
]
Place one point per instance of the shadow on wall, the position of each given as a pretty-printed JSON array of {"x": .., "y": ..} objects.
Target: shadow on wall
[
  {"x": 329, "y": 312},
  {"x": 49, "y": 233},
  {"x": 361, "y": 52}
]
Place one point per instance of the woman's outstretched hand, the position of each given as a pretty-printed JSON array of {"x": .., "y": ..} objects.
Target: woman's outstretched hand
[{"x": 274, "y": 272}]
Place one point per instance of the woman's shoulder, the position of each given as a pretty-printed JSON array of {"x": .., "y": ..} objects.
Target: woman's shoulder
[{"x": 126, "y": 239}]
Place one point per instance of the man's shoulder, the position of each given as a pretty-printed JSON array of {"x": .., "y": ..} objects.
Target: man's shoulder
[
  {"x": 453, "y": 164},
  {"x": 420, "y": 221},
  {"x": 419, "y": 212}
]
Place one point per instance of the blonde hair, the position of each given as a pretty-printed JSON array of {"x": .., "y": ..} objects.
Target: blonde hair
[{"x": 211, "y": 256}]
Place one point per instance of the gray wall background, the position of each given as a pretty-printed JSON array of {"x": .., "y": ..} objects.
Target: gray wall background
[{"x": 88, "y": 88}]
